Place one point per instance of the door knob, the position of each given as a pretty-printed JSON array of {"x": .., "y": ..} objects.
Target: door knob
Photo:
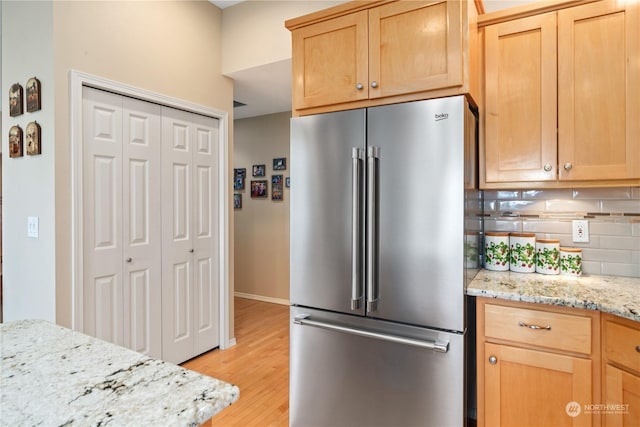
[
  {"x": 493, "y": 360},
  {"x": 568, "y": 166},
  {"x": 548, "y": 167},
  {"x": 374, "y": 84},
  {"x": 359, "y": 86}
]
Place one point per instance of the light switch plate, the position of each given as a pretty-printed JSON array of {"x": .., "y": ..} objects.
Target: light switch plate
[
  {"x": 580, "y": 230},
  {"x": 32, "y": 227}
]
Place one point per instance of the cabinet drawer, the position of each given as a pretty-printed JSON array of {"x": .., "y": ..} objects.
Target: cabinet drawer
[
  {"x": 623, "y": 345},
  {"x": 540, "y": 328}
]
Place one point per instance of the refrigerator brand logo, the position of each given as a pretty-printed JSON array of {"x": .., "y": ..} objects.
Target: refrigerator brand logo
[{"x": 442, "y": 116}]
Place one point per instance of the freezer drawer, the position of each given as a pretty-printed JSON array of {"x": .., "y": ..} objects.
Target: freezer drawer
[{"x": 339, "y": 378}]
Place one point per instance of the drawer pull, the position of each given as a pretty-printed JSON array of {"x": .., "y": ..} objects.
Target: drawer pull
[{"x": 526, "y": 325}]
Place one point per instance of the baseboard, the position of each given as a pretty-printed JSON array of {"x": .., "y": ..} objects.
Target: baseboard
[{"x": 262, "y": 298}]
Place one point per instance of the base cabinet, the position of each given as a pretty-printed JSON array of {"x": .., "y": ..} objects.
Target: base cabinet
[
  {"x": 622, "y": 398},
  {"x": 536, "y": 366},
  {"x": 621, "y": 381},
  {"x": 534, "y": 388}
]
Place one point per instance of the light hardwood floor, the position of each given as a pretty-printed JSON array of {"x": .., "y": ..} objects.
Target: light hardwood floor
[{"x": 258, "y": 364}]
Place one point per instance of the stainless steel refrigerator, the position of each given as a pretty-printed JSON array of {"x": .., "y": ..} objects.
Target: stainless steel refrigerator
[{"x": 384, "y": 236}]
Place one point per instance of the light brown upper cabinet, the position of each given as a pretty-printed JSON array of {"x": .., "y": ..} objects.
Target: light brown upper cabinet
[
  {"x": 561, "y": 104},
  {"x": 361, "y": 54}
]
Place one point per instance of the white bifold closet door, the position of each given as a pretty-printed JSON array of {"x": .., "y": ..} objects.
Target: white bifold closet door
[
  {"x": 121, "y": 205},
  {"x": 150, "y": 226},
  {"x": 189, "y": 234}
]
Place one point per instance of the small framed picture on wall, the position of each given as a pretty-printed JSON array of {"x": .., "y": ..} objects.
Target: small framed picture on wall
[
  {"x": 259, "y": 170},
  {"x": 33, "y": 95},
  {"x": 276, "y": 187},
  {"x": 15, "y": 141},
  {"x": 280, "y": 164},
  {"x": 237, "y": 201},
  {"x": 15, "y": 100},
  {"x": 34, "y": 146},
  {"x": 238, "y": 183},
  {"x": 259, "y": 188}
]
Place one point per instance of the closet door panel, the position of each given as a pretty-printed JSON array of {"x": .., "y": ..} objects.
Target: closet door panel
[
  {"x": 142, "y": 242},
  {"x": 102, "y": 206},
  {"x": 206, "y": 234},
  {"x": 177, "y": 244}
]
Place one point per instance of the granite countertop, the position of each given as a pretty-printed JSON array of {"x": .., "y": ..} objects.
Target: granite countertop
[
  {"x": 52, "y": 376},
  {"x": 610, "y": 294}
]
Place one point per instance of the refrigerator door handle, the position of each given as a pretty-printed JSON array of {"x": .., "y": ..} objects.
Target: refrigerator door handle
[
  {"x": 435, "y": 345},
  {"x": 373, "y": 158},
  {"x": 357, "y": 158}
]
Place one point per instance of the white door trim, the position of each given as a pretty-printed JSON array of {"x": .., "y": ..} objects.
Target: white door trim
[{"x": 79, "y": 79}]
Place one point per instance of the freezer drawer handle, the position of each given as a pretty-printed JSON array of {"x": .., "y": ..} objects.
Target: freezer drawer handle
[{"x": 437, "y": 345}]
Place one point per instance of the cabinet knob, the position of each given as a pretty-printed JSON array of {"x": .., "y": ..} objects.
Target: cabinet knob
[
  {"x": 638, "y": 348},
  {"x": 548, "y": 167},
  {"x": 129, "y": 260},
  {"x": 359, "y": 86},
  {"x": 191, "y": 250},
  {"x": 374, "y": 84},
  {"x": 493, "y": 360},
  {"x": 568, "y": 166}
]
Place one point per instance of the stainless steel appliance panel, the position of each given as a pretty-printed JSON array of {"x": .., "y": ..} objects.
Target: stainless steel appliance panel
[
  {"x": 341, "y": 379},
  {"x": 419, "y": 155},
  {"x": 327, "y": 158}
]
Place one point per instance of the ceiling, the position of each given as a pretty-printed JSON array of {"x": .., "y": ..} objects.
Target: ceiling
[{"x": 267, "y": 89}]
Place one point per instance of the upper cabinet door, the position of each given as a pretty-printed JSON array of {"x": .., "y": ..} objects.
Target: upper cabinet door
[
  {"x": 330, "y": 62},
  {"x": 520, "y": 100},
  {"x": 415, "y": 46},
  {"x": 598, "y": 87}
]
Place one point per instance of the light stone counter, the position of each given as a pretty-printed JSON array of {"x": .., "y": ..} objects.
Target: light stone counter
[
  {"x": 610, "y": 294},
  {"x": 52, "y": 376}
]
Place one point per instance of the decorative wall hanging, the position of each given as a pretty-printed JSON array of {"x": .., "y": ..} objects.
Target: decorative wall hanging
[
  {"x": 238, "y": 182},
  {"x": 280, "y": 164},
  {"x": 33, "y": 139},
  {"x": 237, "y": 201},
  {"x": 258, "y": 170},
  {"x": 276, "y": 187},
  {"x": 259, "y": 188},
  {"x": 15, "y": 141},
  {"x": 33, "y": 95},
  {"x": 238, "y": 178},
  {"x": 15, "y": 100}
]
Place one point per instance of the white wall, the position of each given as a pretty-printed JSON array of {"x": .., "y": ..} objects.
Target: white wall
[
  {"x": 29, "y": 264},
  {"x": 253, "y": 32}
]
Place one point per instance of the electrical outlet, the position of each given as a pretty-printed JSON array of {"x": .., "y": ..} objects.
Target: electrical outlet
[{"x": 580, "y": 230}]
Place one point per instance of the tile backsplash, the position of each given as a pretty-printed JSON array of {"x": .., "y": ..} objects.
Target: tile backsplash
[{"x": 613, "y": 215}]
